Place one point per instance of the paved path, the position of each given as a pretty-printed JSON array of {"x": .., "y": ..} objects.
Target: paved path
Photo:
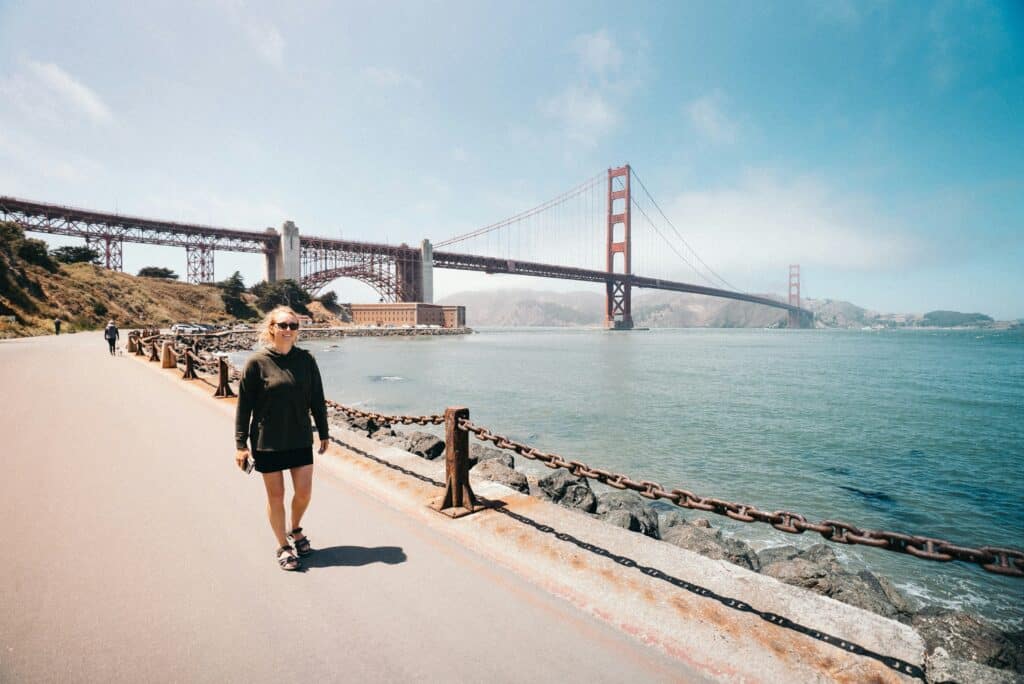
[{"x": 136, "y": 552}]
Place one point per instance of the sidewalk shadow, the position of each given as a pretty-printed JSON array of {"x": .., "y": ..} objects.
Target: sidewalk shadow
[{"x": 352, "y": 556}]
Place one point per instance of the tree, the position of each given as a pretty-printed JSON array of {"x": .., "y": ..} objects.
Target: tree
[
  {"x": 158, "y": 272},
  {"x": 34, "y": 252},
  {"x": 232, "y": 289},
  {"x": 282, "y": 292},
  {"x": 329, "y": 299},
  {"x": 75, "y": 255}
]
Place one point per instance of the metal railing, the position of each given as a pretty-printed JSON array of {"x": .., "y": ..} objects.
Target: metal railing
[{"x": 459, "y": 498}]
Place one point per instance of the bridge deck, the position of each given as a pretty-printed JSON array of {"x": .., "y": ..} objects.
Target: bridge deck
[{"x": 135, "y": 551}]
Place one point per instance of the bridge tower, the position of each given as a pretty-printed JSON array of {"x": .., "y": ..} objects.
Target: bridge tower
[
  {"x": 288, "y": 258},
  {"x": 199, "y": 258},
  {"x": 794, "y": 296},
  {"x": 110, "y": 249},
  {"x": 618, "y": 312}
]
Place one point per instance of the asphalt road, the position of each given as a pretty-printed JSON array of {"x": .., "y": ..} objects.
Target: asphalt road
[{"x": 135, "y": 551}]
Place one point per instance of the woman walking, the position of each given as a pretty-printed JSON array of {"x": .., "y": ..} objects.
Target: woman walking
[
  {"x": 280, "y": 387},
  {"x": 110, "y": 334}
]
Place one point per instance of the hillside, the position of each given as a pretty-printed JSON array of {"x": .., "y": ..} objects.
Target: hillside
[
  {"x": 650, "y": 309},
  {"x": 657, "y": 309},
  {"x": 85, "y": 296}
]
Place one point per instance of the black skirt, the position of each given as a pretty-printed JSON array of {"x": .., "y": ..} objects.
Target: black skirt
[{"x": 273, "y": 461}]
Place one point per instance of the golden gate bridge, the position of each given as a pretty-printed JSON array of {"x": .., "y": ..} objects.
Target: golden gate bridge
[{"x": 638, "y": 246}]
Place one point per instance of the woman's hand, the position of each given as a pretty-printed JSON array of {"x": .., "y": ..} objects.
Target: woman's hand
[
  {"x": 240, "y": 457},
  {"x": 324, "y": 443}
]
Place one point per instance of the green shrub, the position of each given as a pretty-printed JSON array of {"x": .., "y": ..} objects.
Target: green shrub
[
  {"x": 34, "y": 252},
  {"x": 282, "y": 292},
  {"x": 158, "y": 272},
  {"x": 75, "y": 255}
]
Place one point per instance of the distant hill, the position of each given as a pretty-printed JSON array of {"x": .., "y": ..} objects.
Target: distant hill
[
  {"x": 657, "y": 309},
  {"x": 952, "y": 319},
  {"x": 516, "y": 307}
]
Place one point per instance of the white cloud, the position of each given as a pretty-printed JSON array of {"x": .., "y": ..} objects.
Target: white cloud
[
  {"x": 44, "y": 91},
  {"x": 585, "y": 113},
  {"x": 707, "y": 117},
  {"x": 597, "y": 53},
  {"x": 767, "y": 222},
  {"x": 385, "y": 77},
  {"x": 26, "y": 167},
  {"x": 262, "y": 34},
  {"x": 267, "y": 40},
  {"x": 585, "y": 107}
]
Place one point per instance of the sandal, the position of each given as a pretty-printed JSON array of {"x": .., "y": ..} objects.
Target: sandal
[
  {"x": 286, "y": 558},
  {"x": 301, "y": 545}
]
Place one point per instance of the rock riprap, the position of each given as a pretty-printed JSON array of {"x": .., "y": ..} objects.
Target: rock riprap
[
  {"x": 568, "y": 490},
  {"x": 626, "y": 509}
]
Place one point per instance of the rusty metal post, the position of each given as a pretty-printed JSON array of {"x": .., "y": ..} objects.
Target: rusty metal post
[
  {"x": 458, "y": 499},
  {"x": 223, "y": 384},
  {"x": 168, "y": 360},
  {"x": 190, "y": 369},
  {"x": 153, "y": 354},
  {"x": 131, "y": 344},
  {"x": 139, "y": 351}
]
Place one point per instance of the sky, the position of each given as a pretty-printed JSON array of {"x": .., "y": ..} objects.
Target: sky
[{"x": 880, "y": 145}]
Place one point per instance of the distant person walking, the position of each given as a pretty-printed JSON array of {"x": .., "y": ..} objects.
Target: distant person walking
[
  {"x": 56, "y": 326},
  {"x": 111, "y": 335},
  {"x": 280, "y": 387}
]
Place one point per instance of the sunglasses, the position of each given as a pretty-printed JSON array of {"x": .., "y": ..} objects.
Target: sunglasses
[{"x": 285, "y": 326}]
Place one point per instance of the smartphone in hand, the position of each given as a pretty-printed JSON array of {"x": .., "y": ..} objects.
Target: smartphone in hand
[{"x": 249, "y": 464}]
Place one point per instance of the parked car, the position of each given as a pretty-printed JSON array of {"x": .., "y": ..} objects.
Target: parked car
[{"x": 186, "y": 329}]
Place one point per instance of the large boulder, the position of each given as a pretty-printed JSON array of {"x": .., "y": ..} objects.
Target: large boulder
[
  {"x": 941, "y": 668},
  {"x": 638, "y": 516},
  {"x": 567, "y": 490},
  {"x": 479, "y": 453},
  {"x": 383, "y": 433},
  {"x": 965, "y": 637},
  {"x": 670, "y": 519},
  {"x": 777, "y": 553},
  {"x": 711, "y": 543},
  {"x": 496, "y": 471},
  {"x": 818, "y": 569},
  {"x": 364, "y": 423},
  {"x": 425, "y": 444}
]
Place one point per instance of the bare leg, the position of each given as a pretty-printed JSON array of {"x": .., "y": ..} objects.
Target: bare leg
[
  {"x": 302, "y": 481},
  {"x": 274, "y": 483}
]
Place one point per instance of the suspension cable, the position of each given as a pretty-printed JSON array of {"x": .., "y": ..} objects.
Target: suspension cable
[
  {"x": 579, "y": 189},
  {"x": 679, "y": 235}
]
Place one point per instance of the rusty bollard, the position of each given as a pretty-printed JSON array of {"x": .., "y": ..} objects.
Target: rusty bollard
[
  {"x": 190, "y": 368},
  {"x": 131, "y": 344},
  {"x": 139, "y": 351},
  {"x": 153, "y": 354},
  {"x": 223, "y": 384},
  {"x": 458, "y": 499},
  {"x": 169, "y": 360}
]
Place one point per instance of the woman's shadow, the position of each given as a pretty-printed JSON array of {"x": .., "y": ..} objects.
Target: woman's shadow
[{"x": 353, "y": 556}]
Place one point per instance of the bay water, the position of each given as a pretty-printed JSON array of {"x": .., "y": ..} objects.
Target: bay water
[{"x": 916, "y": 431}]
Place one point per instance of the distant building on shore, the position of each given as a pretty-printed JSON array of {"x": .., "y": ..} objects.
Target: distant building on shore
[{"x": 384, "y": 315}]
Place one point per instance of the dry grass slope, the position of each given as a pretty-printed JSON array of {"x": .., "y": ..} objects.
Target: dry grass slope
[{"x": 85, "y": 297}]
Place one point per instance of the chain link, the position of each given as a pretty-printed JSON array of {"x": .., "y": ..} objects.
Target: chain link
[
  {"x": 996, "y": 560},
  {"x": 382, "y": 418}
]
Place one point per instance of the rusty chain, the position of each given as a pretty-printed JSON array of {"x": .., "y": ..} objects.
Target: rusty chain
[
  {"x": 998, "y": 560},
  {"x": 382, "y": 418}
]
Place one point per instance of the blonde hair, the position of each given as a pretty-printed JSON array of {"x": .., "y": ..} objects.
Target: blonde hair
[{"x": 266, "y": 335}]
